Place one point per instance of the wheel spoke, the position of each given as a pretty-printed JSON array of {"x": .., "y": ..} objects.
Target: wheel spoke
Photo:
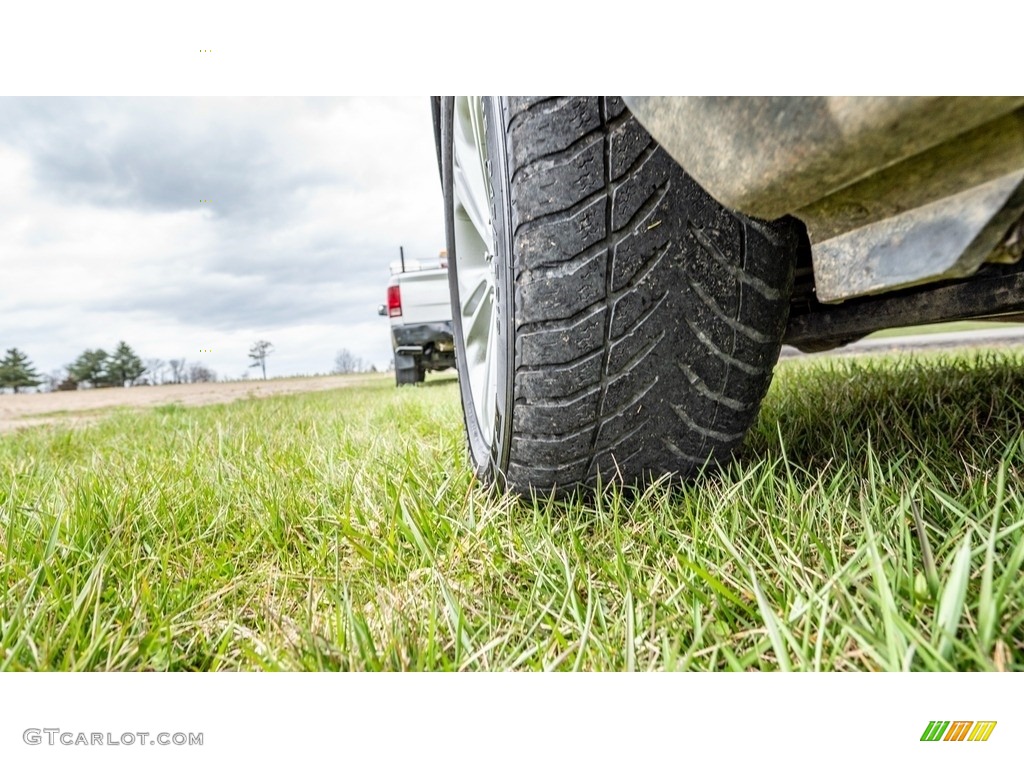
[
  {"x": 470, "y": 164},
  {"x": 472, "y": 287},
  {"x": 472, "y": 203},
  {"x": 478, "y": 332}
]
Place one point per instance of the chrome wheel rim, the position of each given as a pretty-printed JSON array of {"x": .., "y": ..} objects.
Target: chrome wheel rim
[{"x": 474, "y": 258}]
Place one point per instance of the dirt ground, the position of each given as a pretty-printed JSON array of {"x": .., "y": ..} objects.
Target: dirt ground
[{"x": 30, "y": 409}]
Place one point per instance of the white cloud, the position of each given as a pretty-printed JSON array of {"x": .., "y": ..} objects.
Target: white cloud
[{"x": 104, "y": 238}]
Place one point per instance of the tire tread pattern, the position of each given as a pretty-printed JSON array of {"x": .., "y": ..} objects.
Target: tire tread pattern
[{"x": 648, "y": 318}]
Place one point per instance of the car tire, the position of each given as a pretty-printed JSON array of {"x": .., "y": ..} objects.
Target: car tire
[
  {"x": 611, "y": 319},
  {"x": 414, "y": 375}
]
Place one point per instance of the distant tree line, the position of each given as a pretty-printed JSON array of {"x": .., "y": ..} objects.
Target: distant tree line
[
  {"x": 176, "y": 371},
  {"x": 96, "y": 368}
]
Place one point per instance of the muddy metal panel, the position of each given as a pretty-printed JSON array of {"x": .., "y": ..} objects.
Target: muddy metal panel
[
  {"x": 894, "y": 191},
  {"x": 772, "y": 155},
  {"x": 945, "y": 239}
]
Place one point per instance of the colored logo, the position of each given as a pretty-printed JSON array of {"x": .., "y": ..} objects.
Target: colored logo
[{"x": 958, "y": 730}]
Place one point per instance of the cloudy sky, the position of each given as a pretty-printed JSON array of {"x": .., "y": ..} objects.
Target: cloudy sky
[{"x": 104, "y": 234}]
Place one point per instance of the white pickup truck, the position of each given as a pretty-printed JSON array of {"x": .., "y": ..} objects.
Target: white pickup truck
[{"x": 419, "y": 307}]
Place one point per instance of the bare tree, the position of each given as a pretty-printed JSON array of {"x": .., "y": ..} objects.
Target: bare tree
[
  {"x": 155, "y": 366},
  {"x": 177, "y": 370},
  {"x": 346, "y": 362},
  {"x": 258, "y": 354},
  {"x": 198, "y": 373},
  {"x": 54, "y": 378}
]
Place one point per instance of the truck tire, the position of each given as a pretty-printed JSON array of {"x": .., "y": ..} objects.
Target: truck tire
[
  {"x": 414, "y": 375},
  {"x": 610, "y": 318}
]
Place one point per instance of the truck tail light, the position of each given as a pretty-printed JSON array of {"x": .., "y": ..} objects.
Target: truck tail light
[{"x": 394, "y": 301}]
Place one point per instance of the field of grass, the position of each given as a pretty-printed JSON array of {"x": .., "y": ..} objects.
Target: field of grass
[{"x": 875, "y": 520}]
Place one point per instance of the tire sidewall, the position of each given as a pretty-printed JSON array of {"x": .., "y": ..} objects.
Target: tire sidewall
[{"x": 489, "y": 445}]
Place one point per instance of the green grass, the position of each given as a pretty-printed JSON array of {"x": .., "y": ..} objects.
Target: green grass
[{"x": 874, "y": 521}]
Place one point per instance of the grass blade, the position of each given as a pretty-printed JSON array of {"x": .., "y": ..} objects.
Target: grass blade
[
  {"x": 951, "y": 603},
  {"x": 772, "y": 625}
]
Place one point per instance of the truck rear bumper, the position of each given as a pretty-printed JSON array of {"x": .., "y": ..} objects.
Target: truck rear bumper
[{"x": 429, "y": 345}]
